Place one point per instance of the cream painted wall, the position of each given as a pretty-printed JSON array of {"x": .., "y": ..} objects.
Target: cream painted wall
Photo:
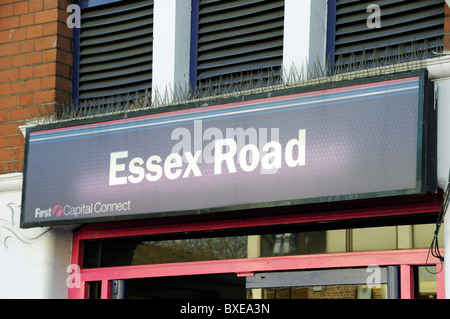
[
  {"x": 33, "y": 262},
  {"x": 171, "y": 46},
  {"x": 304, "y": 36}
]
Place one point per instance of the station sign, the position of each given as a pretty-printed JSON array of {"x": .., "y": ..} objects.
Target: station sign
[{"x": 355, "y": 140}]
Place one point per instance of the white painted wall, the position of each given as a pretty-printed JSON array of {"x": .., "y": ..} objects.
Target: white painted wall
[
  {"x": 171, "y": 46},
  {"x": 443, "y": 92},
  {"x": 304, "y": 37},
  {"x": 33, "y": 262},
  {"x": 304, "y": 41}
]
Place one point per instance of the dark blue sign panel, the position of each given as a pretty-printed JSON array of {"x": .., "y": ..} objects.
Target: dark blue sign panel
[{"x": 359, "y": 141}]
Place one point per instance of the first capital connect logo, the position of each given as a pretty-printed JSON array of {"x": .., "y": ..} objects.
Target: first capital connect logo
[
  {"x": 56, "y": 211},
  {"x": 84, "y": 209}
]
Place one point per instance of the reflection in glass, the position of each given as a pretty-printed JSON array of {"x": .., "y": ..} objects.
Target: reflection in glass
[
  {"x": 171, "y": 251},
  {"x": 126, "y": 252},
  {"x": 425, "y": 282},
  {"x": 151, "y": 250},
  {"x": 321, "y": 292}
]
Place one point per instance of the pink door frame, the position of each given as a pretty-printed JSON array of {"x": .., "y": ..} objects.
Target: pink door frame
[{"x": 406, "y": 259}]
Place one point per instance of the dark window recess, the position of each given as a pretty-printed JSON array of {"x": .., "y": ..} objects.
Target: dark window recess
[
  {"x": 410, "y": 29},
  {"x": 240, "y": 43},
  {"x": 116, "y": 44}
]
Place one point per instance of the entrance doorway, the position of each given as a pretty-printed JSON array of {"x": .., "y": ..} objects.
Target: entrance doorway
[
  {"x": 399, "y": 275},
  {"x": 318, "y": 284},
  {"x": 174, "y": 262},
  {"x": 223, "y": 286},
  {"x": 357, "y": 283}
]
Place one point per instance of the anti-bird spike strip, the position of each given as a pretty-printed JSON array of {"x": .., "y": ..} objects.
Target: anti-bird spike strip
[{"x": 370, "y": 63}]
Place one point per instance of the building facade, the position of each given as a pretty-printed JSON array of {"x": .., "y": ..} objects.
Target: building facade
[{"x": 348, "y": 209}]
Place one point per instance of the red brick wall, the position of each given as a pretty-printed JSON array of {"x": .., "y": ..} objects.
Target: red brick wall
[{"x": 35, "y": 69}]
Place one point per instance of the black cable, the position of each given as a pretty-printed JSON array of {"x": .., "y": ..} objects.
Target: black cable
[{"x": 434, "y": 248}]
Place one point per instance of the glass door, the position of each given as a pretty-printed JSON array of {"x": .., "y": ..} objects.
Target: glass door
[{"x": 355, "y": 283}]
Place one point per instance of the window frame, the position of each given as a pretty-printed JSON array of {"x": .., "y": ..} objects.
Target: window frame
[
  {"x": 406, "y": 259},
  {"x": 331, "y": 31},
  {"x": 76, "y": 45},
  {"x": 194, "y": 42},
  {"x": 331, "y": 34},
  {"x": 83, "y": 4}
]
